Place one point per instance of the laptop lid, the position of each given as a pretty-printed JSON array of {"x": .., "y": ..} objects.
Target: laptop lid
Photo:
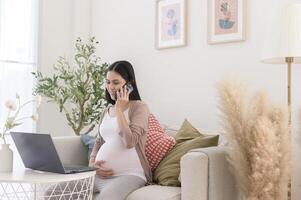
[{"x": 38, "y": 151}]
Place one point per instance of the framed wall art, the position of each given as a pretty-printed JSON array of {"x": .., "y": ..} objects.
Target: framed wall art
[
  {"x": 226, "y": 21},
  {"x": 170, "y": 23}
]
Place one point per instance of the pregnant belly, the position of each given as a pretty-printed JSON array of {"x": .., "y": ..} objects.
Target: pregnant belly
[{"x": 120, "y": 160}]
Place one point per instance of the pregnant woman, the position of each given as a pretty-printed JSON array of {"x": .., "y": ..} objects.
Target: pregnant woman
[{"x": 119, "y": 150}]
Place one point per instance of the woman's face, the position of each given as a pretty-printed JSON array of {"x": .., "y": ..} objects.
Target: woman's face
[{"x": 114, "y": 82}]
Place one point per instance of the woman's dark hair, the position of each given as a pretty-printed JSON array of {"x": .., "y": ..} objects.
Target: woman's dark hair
[{"x": 126, "y": 71}]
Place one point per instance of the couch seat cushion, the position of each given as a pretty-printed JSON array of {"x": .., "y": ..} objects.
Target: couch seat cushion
[{"x": 156, "y": 192}]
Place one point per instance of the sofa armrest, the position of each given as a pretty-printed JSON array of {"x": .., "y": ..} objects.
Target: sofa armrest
[
  {"x": 71, "y": 150},
  {"x": 205, "y": 175}
]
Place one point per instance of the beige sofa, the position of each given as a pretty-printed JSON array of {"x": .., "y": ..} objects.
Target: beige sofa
[{"x": 204, "y": 174}]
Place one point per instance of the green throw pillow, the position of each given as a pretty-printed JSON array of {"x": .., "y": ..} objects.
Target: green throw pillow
[
  {"x": 187, "y": 132},
  {"x": 168, "y": 171}
]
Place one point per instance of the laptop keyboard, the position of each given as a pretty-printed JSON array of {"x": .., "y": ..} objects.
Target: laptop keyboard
[{"x": 77, "y": 168}]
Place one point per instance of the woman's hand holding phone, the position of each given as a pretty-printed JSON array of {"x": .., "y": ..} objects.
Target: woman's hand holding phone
[{"x": 123, "y": 97}]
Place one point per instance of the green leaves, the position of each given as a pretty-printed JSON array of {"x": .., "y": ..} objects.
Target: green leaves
[
  {"x": 9, "y": 124},
  {"x": 76, "y": 89}
]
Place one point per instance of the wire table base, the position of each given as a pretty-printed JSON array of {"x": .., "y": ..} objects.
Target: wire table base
[{"x": 81, "y": 189}]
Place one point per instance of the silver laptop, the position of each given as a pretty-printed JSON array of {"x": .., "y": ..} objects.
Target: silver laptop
[{"x": 38, "y": 152}]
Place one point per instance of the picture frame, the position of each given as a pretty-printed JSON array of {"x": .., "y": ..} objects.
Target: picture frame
[
  {"x": 170, "y": 26},
  {"x": 226, "y": 21}
]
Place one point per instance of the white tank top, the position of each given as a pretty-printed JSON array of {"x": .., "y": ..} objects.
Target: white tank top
[{"x": 121, "y": 160}]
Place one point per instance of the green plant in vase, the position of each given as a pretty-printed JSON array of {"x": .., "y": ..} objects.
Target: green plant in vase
[{"x": 77, "y": 89}]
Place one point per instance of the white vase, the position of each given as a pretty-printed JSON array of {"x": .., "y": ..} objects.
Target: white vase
[{"x": 6, "y": 158}]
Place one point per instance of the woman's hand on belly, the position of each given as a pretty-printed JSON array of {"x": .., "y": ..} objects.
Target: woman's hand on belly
[{"x": 102, "y": 170}]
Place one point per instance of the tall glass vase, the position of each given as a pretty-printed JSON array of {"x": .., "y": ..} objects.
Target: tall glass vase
[{"x": 6, "y": 158}]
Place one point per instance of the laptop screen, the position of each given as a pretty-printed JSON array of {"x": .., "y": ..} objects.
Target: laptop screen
[{"x": 38, "y": 151}]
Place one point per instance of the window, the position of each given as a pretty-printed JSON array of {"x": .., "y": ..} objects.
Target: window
[{"x": 18, "y": 54}]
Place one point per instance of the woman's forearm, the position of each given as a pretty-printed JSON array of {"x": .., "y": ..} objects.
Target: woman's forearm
[{"x": 121, "y": 119}]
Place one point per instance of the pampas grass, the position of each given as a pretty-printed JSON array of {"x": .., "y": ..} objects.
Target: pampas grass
[{"x": 258, "y": 135}]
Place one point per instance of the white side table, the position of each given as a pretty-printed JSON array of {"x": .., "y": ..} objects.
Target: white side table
[{"x": 26, "y": 184}]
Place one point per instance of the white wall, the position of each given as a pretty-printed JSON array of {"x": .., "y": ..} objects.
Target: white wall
[
  {"x": 180, "y": 82},
  {"x": 176, "y": 83},
  {"x": 60, "y": 24}
]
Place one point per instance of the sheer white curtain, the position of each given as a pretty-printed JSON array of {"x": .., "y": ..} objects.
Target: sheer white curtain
[{"x": 18, "y": 54}]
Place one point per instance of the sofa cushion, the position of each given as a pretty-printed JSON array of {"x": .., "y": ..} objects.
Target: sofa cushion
[
  {"x": 172, "y": 130},
  {"x": 88, "y": 141},
  {"x": 158, "y": 144},
  {"x": 187, "y": 132},
  {"x": 71, "y": 150},
  {"x": 156, "y": 192},
  {"x": 187, "y": 138}
]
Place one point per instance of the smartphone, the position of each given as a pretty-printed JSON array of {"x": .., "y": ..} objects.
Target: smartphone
[{"x": 129, "y": 88}]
